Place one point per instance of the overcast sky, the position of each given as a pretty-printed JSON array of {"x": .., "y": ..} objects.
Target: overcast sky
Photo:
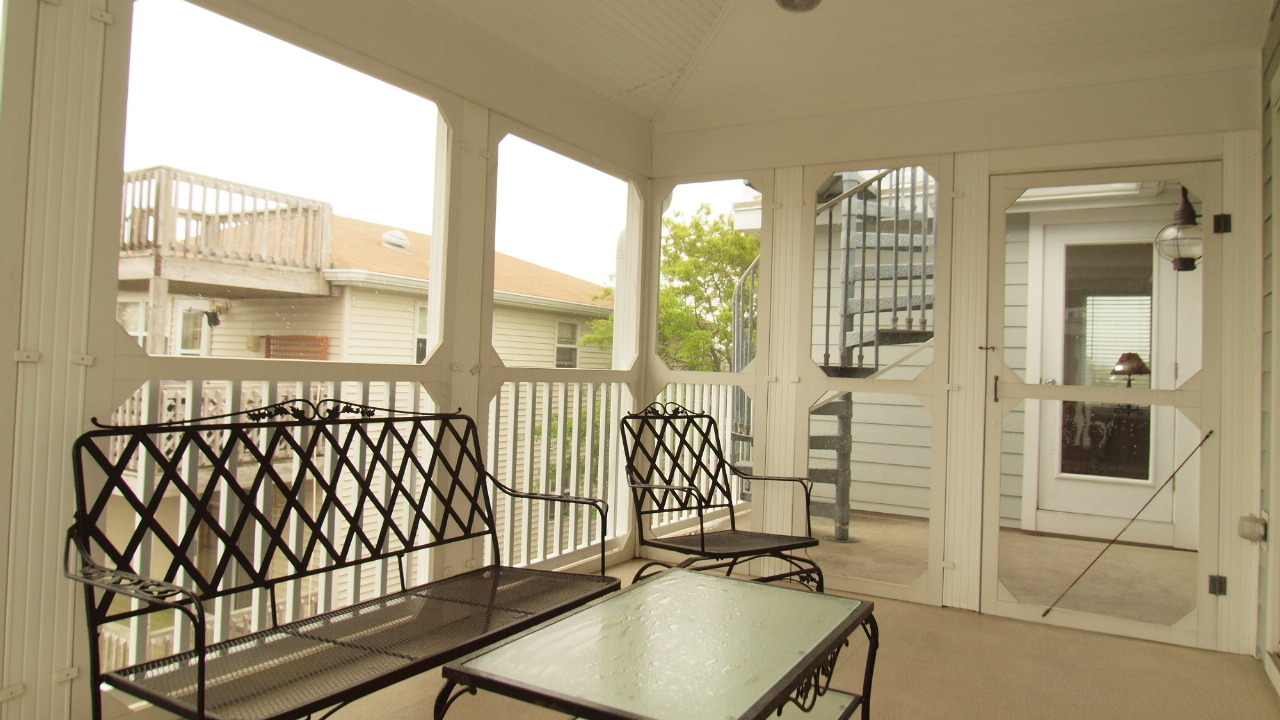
[{"x": 213, "y": 97}]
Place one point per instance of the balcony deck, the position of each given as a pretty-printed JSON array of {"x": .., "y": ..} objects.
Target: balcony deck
[{"x": 216, "y": 238}]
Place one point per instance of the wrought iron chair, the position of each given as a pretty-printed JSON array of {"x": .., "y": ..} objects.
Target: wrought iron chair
[{"x": 675, "y": 467}]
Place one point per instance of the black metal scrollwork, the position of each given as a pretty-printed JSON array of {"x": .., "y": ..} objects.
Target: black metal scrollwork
[
  {"x": 668, "y": 409},
  {"x": 297, "y": 408},
  {"x": 128, "y": 584},
  {"x": 816, "y": 683}
]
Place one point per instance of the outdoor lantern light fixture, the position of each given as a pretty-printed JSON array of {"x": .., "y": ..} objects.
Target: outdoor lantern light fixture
[
  {"x": 1182, "y": 241},
  {"x": 1130, "y": 364}
]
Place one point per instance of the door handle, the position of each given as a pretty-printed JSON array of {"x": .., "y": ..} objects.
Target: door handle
[{"x": 995, "y": 389}]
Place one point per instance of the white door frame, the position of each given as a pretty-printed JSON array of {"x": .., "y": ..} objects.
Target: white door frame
[{"x": 1172, "y": 518}]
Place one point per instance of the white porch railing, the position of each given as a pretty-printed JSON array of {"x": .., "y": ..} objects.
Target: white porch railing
[
  {"x": 544, "y": 437},
  {"x": 555, "y": 437}
]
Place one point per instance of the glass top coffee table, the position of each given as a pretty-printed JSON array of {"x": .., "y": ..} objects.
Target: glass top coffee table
[{"x": 681, "y": 644}]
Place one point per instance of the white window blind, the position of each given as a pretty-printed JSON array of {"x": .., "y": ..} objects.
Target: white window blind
[{"x": 1116, "y": 325}]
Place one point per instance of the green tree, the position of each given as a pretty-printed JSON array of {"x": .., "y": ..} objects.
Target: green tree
[{"x": 702, "y": 259}]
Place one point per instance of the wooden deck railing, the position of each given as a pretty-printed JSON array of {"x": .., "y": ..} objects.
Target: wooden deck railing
[{"x": 173, "y": 213}]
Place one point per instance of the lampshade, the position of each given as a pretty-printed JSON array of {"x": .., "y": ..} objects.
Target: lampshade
[
  {"x": 1182, "y": 241},
  {"x": 798, "y": 5},
  {"x": 1130, "y": 364}
]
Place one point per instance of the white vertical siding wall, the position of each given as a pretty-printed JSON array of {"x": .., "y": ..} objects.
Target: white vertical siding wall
[{"x": 59, "y": 238}]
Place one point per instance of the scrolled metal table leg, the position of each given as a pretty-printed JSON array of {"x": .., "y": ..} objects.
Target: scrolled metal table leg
[{"x": 446, "y": 697}]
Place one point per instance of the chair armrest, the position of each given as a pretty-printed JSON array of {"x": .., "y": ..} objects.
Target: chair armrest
[
  {"x": 660, "y": 486},
  {"x": 675, "y": 488},
  {"x": 805, "y": 483},
  {"x": 600, "y": 506}
]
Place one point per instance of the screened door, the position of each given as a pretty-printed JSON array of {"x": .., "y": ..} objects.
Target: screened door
[
  {"x": 877, "y": 402},
  {"x": 1096, "y": 410}
]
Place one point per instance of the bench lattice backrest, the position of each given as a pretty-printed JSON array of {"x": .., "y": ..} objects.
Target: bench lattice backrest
[
  {"x": 668, "y": 446},
  {"x": 225, "y": 505}
]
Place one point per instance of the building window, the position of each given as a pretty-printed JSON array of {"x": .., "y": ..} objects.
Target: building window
[
  {"x": 132, "y": 316},
  {"x": 420, "y": 334},
  {"x": 566, "y": 345},
  {"x": 192, "y": 327}
]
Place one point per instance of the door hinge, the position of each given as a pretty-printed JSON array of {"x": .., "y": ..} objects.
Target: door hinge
[{"x": 1217, "y": 585}]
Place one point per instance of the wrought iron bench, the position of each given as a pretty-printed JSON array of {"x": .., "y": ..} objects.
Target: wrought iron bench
[
  {"x": 279, "y": 513},
  {"x": 675, "y": 466}
]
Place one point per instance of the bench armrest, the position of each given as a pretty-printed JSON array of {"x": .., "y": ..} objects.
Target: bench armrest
[
  {"x": 149, "y": 590},
  {"x": 805, "y": 483},
  {"x": 80, "y": 566},
  {"x": 599, "y": 505}
]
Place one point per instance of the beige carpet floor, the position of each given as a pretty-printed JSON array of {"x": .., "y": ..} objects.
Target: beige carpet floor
[
  {"x": 1156, "y": 585},
  {"x": 958, "y": 665}
]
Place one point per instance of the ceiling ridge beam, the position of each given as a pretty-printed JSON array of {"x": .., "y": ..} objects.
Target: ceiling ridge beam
[
  {"x": 721, "y": 17},
  {"x": 647, "y": 83}
]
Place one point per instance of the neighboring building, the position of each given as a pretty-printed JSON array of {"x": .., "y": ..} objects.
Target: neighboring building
[{"x": 267, "y": 275}]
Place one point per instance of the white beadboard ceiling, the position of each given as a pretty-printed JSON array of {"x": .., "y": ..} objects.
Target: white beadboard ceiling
[{"x": 684, "y": 64}]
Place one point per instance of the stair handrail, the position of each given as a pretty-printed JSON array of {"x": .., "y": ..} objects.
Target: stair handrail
[
  {"x": 739, "y": 301},
  {"x": 853, "y": 191},
  {"x": 744, "y": 347}
]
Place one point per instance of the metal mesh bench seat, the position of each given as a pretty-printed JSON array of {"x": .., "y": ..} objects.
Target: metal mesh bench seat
[
  {"x": 299, "y": 667},
  {"x": 296, "y": 500}
]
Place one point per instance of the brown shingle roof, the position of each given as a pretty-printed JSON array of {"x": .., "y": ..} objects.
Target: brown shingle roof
[{"x": 358, "y": 245}]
